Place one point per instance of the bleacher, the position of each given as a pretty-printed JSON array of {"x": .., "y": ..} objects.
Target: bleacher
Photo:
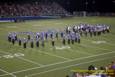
[
  {"x": 92, "y": 71},
  {"x": 31, "y": 9}
]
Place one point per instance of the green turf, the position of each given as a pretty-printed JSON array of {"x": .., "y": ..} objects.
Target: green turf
[{"x": 49, "y": 62}]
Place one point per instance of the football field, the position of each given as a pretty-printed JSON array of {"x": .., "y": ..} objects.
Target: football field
[{"x": 15, "y": 61}]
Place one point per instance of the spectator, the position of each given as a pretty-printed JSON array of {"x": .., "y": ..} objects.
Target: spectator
[{"x": 27, "y": 9}]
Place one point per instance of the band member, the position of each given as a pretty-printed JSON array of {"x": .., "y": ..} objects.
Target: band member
[
  {"x": 15, "y": 36},
  {"x": 9, "y": 37},
  {"x": 62, "y": 34},
  {"x": 51, "y": 35},
  {"x": 43, "y": 43},
  {"x": 64, "y": 40},
  {"x": 24, "y": 43},
  {"x": 37, "y": 42},
  {"x": 46, "y": 35},
  {"x": 32, "y": 43},
  {"x": 20, "y": 42},
  {"x": 29, "y": 37},
  {"x": 68, "y": 38},
  {"x": 13, "y": 40},
  {"x": 53, "y": 42},
  {"x": 72, "y": 37},
  {"x": 57, "y": 35},
  {"x": 91, "y": 32},
  {"x": 108, "y": 29}
]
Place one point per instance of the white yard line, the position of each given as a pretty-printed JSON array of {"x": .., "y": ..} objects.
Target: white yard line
[
  {"x": 64, "y": 57},
  {"x": 54, "y": 55},
  {"x": 8, "y": 73},
  {"x": 67, "y": 66},
  {"x": 67, "y": 61},
  {"x": 105, "y": 43},
  {"x": 94, "y": 47},
  {"x": 61, "y": 62},
  {"x": 109, "y": 43},
  {"x": 27, "y": 60},
  {"x": 82, "y": 52}
]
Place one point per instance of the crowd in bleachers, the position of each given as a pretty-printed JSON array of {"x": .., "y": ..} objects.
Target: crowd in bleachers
[
  {"x": 103, "y": 71},
  {"x": 31, "y": 9}
]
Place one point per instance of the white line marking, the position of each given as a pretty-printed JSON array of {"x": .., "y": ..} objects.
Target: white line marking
[
  {"x": 105, "y": 43},
  {"x": 68, "y": 66},
  {"x": 30, "y": 61},
  {"x": 99, "y": 42},
  {"x": 109, "y": 43},
  {"x": 62, "y": 47},
  {"x": 81, "y": 52},
  {"x": 61, "y": 62},
  {"x": 8, "y": 73},
  {"x": 94, "y": 47},
  {"x": 24, "y": 59},
  {"x": 53, "y": 55},
  {"x": 64, "y": 57},
  {"x": 65, "y": 61}
]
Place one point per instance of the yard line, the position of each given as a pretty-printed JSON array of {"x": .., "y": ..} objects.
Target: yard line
[
  {"x": 54, "y": 55},
  {"x": 61, "y": 62},
  {"x": 31, "y": 61},
  {"x": 105, "y": 43},
  {"x": 7, "y": 73},
  {"x": 109, "y": 43},
  {"x": 106, "y": 37},
  {"x": 64, "y": 57},
  {"x": 27, "y": 60},
  {"x": 95, "y": 47},
  {"x": 68, "y": 66},
  {"x": 82, "y": 52}
]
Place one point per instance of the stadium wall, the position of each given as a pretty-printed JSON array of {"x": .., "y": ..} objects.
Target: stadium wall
[{"x": 23, "y": 18}]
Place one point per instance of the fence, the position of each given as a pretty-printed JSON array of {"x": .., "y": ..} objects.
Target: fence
[{"x": 84, "y": 13}]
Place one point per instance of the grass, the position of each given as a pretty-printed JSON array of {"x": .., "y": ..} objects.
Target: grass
[{"x": 47, "y": 62}]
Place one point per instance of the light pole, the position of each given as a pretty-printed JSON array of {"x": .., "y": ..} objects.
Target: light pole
[
  {"x": 86, "y": 3},
  {"x": 85, "y": 12},
  {"x": 93, "y": 6}
]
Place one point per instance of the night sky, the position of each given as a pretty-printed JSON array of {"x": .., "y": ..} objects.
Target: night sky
[
  {"x": 78, "y": 5},
  {"x": 90, "y": 5}
]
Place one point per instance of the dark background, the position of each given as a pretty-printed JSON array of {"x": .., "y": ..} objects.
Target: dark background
[{"x": 76, "y": 5}]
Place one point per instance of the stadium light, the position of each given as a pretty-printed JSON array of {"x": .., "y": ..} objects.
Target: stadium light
[
  {"x": 93, "y": 2},
  {"x": 113, "y": 1}
]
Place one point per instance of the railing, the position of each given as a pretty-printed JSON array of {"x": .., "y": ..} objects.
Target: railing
[{"x": 23, "y": 18}]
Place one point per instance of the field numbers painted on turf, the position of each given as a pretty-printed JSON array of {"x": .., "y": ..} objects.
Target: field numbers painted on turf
[
  {"x": 98, "y": 42},
  {"x": 63, "y": 47},
  {"x": 10, "y": 56}
]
